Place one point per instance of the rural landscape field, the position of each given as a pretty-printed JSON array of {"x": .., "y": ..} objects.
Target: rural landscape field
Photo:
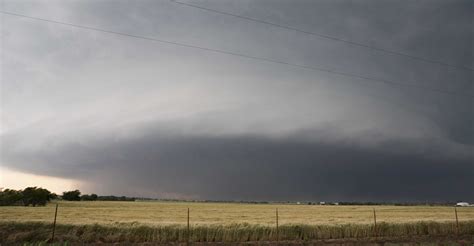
[
  {"x": 166, "y": 213},
  {"x": 155, "y": 221},
  {"x": 236, "y": 122}
]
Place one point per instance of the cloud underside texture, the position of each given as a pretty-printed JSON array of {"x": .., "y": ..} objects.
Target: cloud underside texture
[
  {"x": 140, "y": 118},
  {"x": 257, "y": 168}
]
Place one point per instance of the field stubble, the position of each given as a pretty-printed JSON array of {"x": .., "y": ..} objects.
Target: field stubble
[
  {"x": 167, "y": 213},
  {"x": 144, "y": 222}
]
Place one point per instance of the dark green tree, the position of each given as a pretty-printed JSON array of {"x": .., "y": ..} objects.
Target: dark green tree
[
  {"x": 10, "y": 197},
  {"x": 91, "y": 197},
  {"x": 54, "y": 196},
  {"x": 94, "y": 197},
  {"x": 35, "y": 196},
  {"x": 74, "y": 195}
]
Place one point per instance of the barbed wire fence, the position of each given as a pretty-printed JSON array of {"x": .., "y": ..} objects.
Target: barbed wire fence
[{"x": 277, "y": 224}]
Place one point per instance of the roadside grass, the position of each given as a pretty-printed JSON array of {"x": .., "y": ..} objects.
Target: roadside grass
[{"x": 26, "y": 232}]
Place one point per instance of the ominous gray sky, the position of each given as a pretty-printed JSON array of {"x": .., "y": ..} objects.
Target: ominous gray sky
[{"x": 135, "y": 117}]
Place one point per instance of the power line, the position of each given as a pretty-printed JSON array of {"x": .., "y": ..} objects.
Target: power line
[
  {"x": 325, "y": 36},
  {"x": 345, "y": 74}
]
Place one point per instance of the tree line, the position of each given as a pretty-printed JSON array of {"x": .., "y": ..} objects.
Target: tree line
[
  {"x": 37, "y": 196},
  {"x": 33, "y": 196}
]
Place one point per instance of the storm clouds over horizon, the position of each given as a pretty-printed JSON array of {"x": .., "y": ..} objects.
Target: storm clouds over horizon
[{"x": 135, "y": 117}]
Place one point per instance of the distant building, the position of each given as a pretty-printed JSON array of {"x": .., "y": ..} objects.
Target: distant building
[
  {"x": 462, "y": 204},
  {"x": 322, "y": 203}
]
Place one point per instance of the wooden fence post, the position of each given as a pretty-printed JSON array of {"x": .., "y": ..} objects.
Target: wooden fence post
[
  {"x": 187, "y": 230},
  {"x": 277, "y": 229},
  {"x": 54, "y": 223},
  {"x": 457, "y": 221},
  {"x": 375, "y": 224}
]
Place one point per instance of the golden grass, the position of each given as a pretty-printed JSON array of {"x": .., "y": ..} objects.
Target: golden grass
[
  {"x": 172, "y": 213},
  {"x": 36, "y": 232}
]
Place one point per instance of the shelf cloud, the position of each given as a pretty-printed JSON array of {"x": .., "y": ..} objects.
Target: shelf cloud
[{"x": 139, "y": 118}]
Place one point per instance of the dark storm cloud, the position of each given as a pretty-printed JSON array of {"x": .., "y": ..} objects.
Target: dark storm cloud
[
  {"x": 133, "y": 117},
  {"x": 261, "y": 168}
]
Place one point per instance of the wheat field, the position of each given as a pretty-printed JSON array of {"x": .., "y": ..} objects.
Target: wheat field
[
  {"x": 157, "y": 222},
  {"x": 167, "y": 213}
]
